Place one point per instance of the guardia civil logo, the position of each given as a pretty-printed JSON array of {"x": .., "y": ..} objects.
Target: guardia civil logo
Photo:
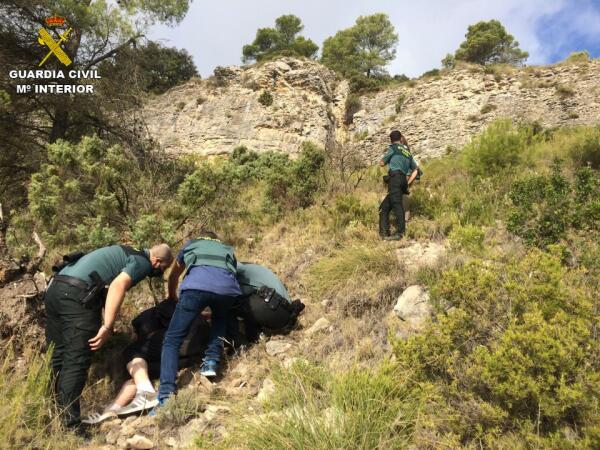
[{"x": 54, "y": 46}]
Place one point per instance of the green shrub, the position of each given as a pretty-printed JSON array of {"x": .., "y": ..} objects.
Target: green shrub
[
  {"x": 265, "y": 98},
  {"x": 499, "y": 147},
  {"x": 513, "y": 349},
  {"x": 348, "y": 210},
  {"x": 545, "y": 207},
  {"x": 352, "y": 106},
  {"x": 488, "y": 107},
  {"x": 565, "y": 91},
  {"x": 586, "y": 149},
  {"x": 577, "y": 57},
  {"x": 468, "y": 237},
  {"x": 431, "y": 73},
  {"x": 180, "y": 106},
  {"x": 400, "y": 103}
]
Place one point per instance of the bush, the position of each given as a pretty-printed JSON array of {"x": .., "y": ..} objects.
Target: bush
[
  {"x": 353, "y": 105},
  {"x": 586, "y": 149},
  {"x": 265, "y": 98},
  {"x": 514, "y": 351},
  {"x": 578, "y": 57},
  {"x": 499, "y": 147},
  {"x": 400, "y": 103},
  {"x": 488, "y": 107},
  {"x": 348, "y": 210},
  {"x": 565, "y": 91},
  {"x": 468, "y": 237},
  {"x": 545, "y": 207},
  {"x": 431, "y": 73}
]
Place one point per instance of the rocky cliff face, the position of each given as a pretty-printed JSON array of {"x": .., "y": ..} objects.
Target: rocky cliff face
[{"x": 214, "y": 116}]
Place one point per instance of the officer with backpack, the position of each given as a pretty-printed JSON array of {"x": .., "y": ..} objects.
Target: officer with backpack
[
  {"x": 74, "y": 301},
  {"x": 210, "y": 268},
  {"x": 402, "y": 171}
]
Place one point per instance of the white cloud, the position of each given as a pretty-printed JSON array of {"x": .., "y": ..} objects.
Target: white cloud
[{"x": 214, "y": 32}]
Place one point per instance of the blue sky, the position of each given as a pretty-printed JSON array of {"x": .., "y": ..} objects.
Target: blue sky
[{"x": 214, "y": 32}]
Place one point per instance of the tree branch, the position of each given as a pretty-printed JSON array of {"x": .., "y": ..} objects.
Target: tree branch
[
  {"x": 35, "y": 262},
  {"x": 113, "y": 51}
]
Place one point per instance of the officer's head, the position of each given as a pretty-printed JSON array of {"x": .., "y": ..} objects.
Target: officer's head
[
  {"x": 395, "y": 136},
  {"x": 161, "y": 257}
]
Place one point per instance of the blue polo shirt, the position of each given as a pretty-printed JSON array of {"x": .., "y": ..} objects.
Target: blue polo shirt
[{"x": 210, "y": 279}]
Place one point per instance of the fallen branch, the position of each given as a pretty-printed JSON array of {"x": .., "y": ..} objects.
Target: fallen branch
[{"x": 35, "y": 262}]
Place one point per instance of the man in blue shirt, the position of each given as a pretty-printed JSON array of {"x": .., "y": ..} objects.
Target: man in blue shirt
[
  {"x": 402, "y": 171},
  {"x": 210, "y": 280}
]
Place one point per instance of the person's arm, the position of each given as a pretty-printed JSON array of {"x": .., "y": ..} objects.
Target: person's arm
[
  {"x": 173, "y": 282},
  {"x": 114, "y": 299},
  {"x": 412, "y": 176}
]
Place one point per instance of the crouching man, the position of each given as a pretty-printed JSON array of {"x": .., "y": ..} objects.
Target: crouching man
[
  {"x": 210, "y": 268},
  {"x": 74, "y": 301}
]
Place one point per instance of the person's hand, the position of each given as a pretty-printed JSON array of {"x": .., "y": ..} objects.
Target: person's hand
[{"x": 98, "y": 341}]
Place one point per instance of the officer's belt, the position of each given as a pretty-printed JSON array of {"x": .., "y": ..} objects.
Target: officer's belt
[
  {"x": 72, "y": 281},
  {"x": 393, "y": 173}
]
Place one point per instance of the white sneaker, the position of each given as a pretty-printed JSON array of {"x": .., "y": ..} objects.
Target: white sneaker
[
  {"x": 142, "y": 401},
  {"x": 95, "y": 418}
]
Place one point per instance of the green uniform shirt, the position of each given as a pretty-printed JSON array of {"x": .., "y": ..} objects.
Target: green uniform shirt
[
  {"x": 252, "y": 276},
  {"x": 398, "y": 157},
  {"x": 110, "y": 262}
]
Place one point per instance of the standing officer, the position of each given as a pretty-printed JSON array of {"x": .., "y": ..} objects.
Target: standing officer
[
  {"x": 402, "y": 170},
  {"x": 74, "y": 301}
]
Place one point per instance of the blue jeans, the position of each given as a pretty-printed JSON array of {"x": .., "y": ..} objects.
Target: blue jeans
[{"x": 191, "y": 303}]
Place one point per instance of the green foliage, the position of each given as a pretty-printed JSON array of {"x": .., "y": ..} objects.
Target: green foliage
[
  {"x": 180, "y": 409},
  {"x": 352, "y": 106},
  {"x": 489, "y": 43},
  {"x": 158, "y": 68},
  {"x": 363, "y": 50},
  {"x": 514, "y": 352},
  {"x": 498, "y": 148},
  {"x": 468, "y": 237},
  {"x": 348, "y": 210},
  {"x": 545, "y": 207},
  {"x": 448, "y": 62},
  {"x": 578, "y": 57},
  {"x": 280, "y": 41},
  {"x": 265, "y": 98},
  {"x": 431, "y": 73},
  {"x": 400, "y": 103},
  {"x": 296, "y": 185},
  {"x": 91, "y": 193}
]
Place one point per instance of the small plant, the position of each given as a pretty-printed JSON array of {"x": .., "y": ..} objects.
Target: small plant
[
  {"x": 400, "y": 103},
  {"x": 180, "y": 106},
  {"x": 433, "y": 73},
  {"x": 573, "y": 115},
  {"x": 565, "y": 91},
  {"x": 200, "y": 101},
  {"x": 473, "y": 118},
  {"x": 411, "y": 83},
  {"x": 180, "y": 409},
  {"x": 578, "y": 57},
  {"x": 353, "y": 105},
  {"x": 361, "y": 135},
  {"x": 488, "y": 107},
  {"x": 266, "y": 98}
]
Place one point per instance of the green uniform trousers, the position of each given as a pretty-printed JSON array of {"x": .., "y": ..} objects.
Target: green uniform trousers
[{"x": 69, "y": 326}]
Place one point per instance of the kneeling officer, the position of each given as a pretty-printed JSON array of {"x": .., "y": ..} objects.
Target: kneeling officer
[{"x": 74, "y": 301}]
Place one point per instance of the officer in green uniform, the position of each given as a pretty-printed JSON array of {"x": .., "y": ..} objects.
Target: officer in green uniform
[
  {"x": 402, "y": 170},
  {"x": 74, "y": 301}
]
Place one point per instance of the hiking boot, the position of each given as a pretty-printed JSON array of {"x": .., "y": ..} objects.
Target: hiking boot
[
  {"x": 143, "y": 400},
  {"x": 209, "y": 368},
  {"x": 393, "y": 237}
]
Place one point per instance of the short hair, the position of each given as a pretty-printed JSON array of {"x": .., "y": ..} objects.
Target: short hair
[
  {"x": 162, "y": 252},
  {"x": 209, "y": 234},
  {"x": 395, "y": 136}
]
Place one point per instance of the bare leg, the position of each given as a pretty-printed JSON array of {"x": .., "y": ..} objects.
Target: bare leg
[
  {"x": 138, "y": 369},
  {"x": 126, "y": 394}
]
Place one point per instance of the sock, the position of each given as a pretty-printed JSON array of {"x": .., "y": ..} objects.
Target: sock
[{"x": 145, "y": 386}]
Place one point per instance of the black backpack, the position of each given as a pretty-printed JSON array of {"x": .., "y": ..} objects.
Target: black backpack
[{"x": 270, "y": 310}]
